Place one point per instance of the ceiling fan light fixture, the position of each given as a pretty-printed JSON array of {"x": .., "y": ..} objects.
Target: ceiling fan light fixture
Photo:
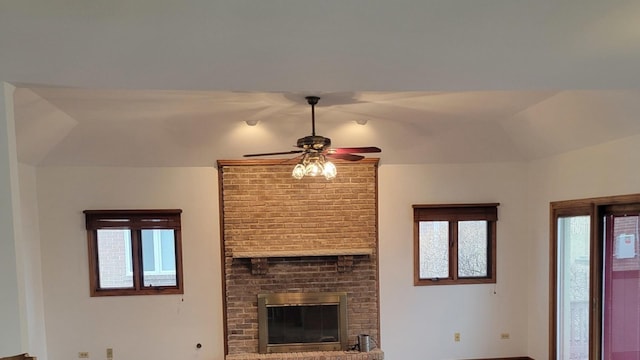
[
  {"x": 329, "y": 170},
  {"x": 314, "y": 164},
  {"x": 313, "y": 161},
  {"x": 298, "y": 171},
  {"x": 313, "y": 168}
]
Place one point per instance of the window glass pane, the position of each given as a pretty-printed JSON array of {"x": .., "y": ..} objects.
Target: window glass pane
[
  {"x": 621, "y": 300},
  {"x": 158, "y": 257},
  {"x": 434, "y": 249},
  {"x": 573, "y": 287},
  {"x": 113, "y": 257},
  {"x": 168, "y": 250},
  {"x": 148, "y": 251},
  {"x": 472, "y": 249}
]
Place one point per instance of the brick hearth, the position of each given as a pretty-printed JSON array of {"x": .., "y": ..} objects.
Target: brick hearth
[
  {"x": 314, "y": 355},
  {"x": 286, "y": 235}
]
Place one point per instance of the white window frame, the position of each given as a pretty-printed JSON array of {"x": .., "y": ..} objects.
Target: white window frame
[{"x": 157, "y": 255}]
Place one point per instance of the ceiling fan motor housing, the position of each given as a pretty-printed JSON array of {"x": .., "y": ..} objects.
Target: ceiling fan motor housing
[{"x": 314, "y": 143}]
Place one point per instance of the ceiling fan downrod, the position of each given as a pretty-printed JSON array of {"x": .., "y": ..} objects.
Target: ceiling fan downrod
[{"x": 313, "y": 100}]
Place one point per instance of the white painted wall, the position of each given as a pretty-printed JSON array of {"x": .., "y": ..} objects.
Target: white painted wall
[
  {"x": 608, "y": 169},
  {"x": 31, "y": 261},
  {"x": 12, "y": 312},
  {"x": 136, "y": 327},
  {"x": 418, "y": 322}
]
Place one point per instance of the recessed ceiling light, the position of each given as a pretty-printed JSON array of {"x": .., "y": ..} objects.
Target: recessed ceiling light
[
  {"x": 361, "y": 121},
  {"x": 252, "y": 122}
]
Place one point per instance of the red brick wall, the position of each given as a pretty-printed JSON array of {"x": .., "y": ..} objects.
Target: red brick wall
[
  {"x": 626, "y": 225},
  {"x": 111, "y": 249},
  {"x": 265, "y": 209}
]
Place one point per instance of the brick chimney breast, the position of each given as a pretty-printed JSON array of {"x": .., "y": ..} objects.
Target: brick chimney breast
[{"x": 280, "y": 235}]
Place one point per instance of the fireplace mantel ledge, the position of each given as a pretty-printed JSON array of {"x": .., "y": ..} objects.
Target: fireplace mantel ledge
[
  {"x": 260, "y": 264},
  {"x": 302, "y": 253}
]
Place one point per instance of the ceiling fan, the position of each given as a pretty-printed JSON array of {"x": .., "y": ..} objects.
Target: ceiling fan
[{"x": 315, "y": 146}]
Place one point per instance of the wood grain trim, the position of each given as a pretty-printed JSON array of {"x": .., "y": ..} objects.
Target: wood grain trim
[
  {"x": 24, "y": 356},
  {"x": 258, "y": 162}
]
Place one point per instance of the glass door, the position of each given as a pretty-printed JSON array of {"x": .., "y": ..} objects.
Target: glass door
[
  {"x": 621, "y": 284},
  {"x": 595, "y": 279},
  {"x": 572, "y": 287}
]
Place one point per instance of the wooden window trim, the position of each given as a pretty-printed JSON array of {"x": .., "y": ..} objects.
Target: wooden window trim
[
  {"x": 454, "y": 213},
  {"x": 134, "y": 220}
]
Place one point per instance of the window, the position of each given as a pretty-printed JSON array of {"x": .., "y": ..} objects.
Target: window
[
  {"x": 455, "y": 244},
  {"x": 134, "y": 252}
]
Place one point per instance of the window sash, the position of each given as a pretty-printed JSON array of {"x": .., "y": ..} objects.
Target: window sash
[
  {"x": 159, "y": 253},
  {"x": 481, "y": 263},
  {"x": 435, "y": 249}
]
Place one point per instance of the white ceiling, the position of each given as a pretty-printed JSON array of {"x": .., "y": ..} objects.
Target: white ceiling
[{"x": 168, "y": 83}]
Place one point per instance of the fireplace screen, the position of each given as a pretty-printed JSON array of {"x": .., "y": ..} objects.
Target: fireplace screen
[{"x": 293, "y": 322}]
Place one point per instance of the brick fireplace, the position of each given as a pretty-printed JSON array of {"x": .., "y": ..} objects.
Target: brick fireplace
[{"x": 282, "y": 235}]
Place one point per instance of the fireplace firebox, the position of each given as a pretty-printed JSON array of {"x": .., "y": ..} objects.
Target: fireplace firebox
[{"x": 297, "y": 322}]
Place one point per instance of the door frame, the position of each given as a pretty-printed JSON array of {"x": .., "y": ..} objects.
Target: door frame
[{"x": 595, "y": 208}]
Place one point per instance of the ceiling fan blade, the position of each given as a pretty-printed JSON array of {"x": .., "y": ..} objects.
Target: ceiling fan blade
[
  {"x": 350, "y": 157},
  {"x": 274, "y": 153},
  {"x": 361, "y": 150}
]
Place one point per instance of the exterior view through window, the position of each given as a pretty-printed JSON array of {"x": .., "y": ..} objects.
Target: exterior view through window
[
  {"x": 115, "y": 257},
  {"x": 454, "y": 244},
  {"x": 573, "y": 285},
  {"x": 134, "y": 252}
]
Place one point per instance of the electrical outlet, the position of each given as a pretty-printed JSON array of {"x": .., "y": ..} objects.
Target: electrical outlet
[
  {"x": 456, "y": 337},
  {"x": 83, "y": 355},
  {"x": 504, "y": 336},
  {"x": 109, "y": 353}
]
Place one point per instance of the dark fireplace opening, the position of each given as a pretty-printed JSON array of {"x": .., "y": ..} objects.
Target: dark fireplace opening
[
  {"x": 303, "y": 324},
  {"x": 292, "y": 322}
]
